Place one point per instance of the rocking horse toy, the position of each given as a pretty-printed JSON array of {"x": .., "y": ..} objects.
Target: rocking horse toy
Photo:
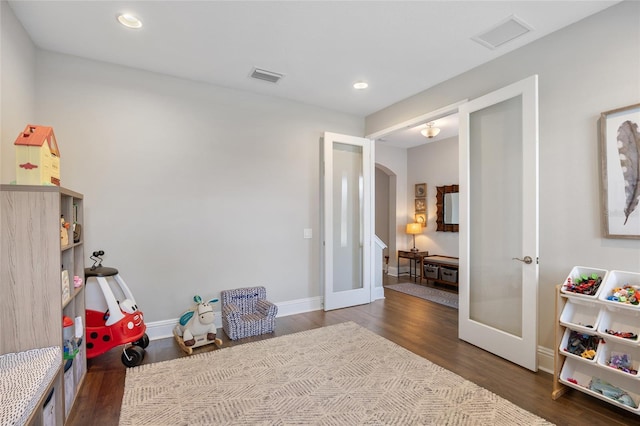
[{"x": 197, "y": 327}]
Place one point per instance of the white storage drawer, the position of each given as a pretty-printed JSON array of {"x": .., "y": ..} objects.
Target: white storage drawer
[
  {"x": 617, "y": 279},
  {"x": 620, "y": 321},
  {"x": 578, "y": 375},
  {"x": 632, "y": 354},
  {"x": 580, "y": 315},
  {"x": 594, "y": 344},
  {"x": 576, "y": 274}
]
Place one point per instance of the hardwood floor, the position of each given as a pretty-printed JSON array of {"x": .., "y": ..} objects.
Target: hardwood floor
[{"x": 423, "y": 327}]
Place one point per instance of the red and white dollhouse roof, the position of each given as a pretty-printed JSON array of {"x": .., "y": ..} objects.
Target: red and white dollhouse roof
[{"x": 34, "y": 135}]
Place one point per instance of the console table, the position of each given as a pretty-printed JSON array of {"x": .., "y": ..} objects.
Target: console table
[
  {"x": 415, "y": 258},
  {"x": 448, "y": 262}
]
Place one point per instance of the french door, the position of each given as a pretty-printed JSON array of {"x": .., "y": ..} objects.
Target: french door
[
  {"x": 347, "y": 220},
  {"x": 499, "y": 222}
]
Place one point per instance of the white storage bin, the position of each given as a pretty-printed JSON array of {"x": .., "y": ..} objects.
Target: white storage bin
[
  {"x": 619, "y": 279},
  {"x": 69, "y": 387},
  {"x": 565, "y": 343},
  {"x": 578, "y": 375},
  {"x": 49, "y": 409},
  {"x": 610, "y": 347},
  {"x": 78, "y": 364},
  {"x": 576, "y": 273},
  {"x": 581, "y": 315},
  {"x": 620, "y": 320}
]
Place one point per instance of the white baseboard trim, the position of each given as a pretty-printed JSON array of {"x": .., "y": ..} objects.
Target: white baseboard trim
[
  {"x": 300, "y": 306},
  {"x": 545, "y": 359},
  {"x": 164, "y": 328},
  {"x": 377, "y": 293},
  {"x": 161, "y": 329}
]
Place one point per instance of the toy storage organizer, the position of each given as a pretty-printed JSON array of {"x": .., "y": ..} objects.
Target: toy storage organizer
[
  {"x": 35, "y": 300},
  {"x": 614, "y": 324}
]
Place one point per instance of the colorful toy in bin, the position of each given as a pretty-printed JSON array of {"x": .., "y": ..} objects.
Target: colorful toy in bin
[
  {"x": 586, "y": 284},
  {"x": 197, "y": 327},
  {"x": 582, "y": 345},
  {"x": 113, "y": 317},
  {"x": 622, "y": 361},
  {"x": 629, "y": 294}
]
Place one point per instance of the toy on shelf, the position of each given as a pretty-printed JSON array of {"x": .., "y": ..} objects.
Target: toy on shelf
[
  {"x": 70, "y": 343},
  {"x": 197, "y": 327},
  {"x": 37, "y": 156},
  {"x": 112, "y": 314},
  {"x": 64, "y": 232}
]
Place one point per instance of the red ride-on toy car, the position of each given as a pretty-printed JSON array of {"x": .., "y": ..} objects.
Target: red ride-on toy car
[{"x": 113, "y": 317}]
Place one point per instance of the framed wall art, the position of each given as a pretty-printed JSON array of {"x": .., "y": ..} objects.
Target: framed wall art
[
  {"x": 620, "y": 170},
  {"x": 421, "y": 190},
  {"x": 421, "y": 218},
  {"x": 421, "y": 205}
]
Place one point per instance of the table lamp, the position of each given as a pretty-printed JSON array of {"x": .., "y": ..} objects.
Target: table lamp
[{"x": 413, "y": 229}]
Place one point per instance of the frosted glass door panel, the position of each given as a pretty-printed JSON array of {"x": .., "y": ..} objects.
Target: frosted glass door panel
[
  {"x": 347, "y": 217},
  {"x": 496, "y": 216}
]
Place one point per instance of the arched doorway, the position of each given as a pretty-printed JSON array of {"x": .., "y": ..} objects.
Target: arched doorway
[{"x": 385, "y": 210}]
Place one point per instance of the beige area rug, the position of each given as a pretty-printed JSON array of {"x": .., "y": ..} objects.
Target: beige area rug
[{"x": 337, "y": 375}]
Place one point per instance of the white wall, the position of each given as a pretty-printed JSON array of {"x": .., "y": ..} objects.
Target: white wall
[
  {"x": 435, "y": 163},
  {"x": 17, "y": 86},
  {"x": 189, "y": 188},
  {"x": 585, "y": 69},
  {"x": 382, "y": 205},
  {"x": 394, "y": 160}
]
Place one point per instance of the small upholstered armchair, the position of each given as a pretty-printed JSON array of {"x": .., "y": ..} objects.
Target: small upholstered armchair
[{"x": 246, "y": 312}]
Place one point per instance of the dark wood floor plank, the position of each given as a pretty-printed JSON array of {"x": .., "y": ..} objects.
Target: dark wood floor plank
[{"x": 423, "y": 327}]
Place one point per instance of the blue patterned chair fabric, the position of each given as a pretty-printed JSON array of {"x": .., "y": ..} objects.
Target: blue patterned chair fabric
[{"x": 246, "y": 312}]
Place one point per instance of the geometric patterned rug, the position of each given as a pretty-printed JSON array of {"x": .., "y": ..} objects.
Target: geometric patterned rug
[
  {"x": 446, "y": 298},
  {"x": 337, "y": 375}
]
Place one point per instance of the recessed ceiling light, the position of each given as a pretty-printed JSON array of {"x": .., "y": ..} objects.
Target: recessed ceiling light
[
  {"x": 129, "y": 21},
  {"x": 360, "y": 85}
]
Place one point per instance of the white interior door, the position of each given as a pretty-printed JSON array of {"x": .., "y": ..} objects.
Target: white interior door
[
  {"x": 347, "y": 220},
  {"x": 499, "y": 222}
]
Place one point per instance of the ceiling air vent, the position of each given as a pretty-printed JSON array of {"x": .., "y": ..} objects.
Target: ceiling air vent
[
  {"x": 507, "y": 30},
  {"x": 270, "y": 76}
]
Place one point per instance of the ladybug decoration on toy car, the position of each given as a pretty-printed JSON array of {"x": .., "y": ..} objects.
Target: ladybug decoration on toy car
[{"x": 113, "y": 316}]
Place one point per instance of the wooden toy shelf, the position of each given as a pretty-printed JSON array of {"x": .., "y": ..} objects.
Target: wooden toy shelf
[
  {"x": 33, "y": 306},
  {"x": 570, "y": 371}
]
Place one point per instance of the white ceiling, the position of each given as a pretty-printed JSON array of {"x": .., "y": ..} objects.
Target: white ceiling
[
  {"x": 322, "y": 47},
  {"x": 410, "y": 137}
]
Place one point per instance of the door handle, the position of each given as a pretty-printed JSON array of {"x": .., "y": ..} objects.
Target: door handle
[{"x": 527, "y": 259}]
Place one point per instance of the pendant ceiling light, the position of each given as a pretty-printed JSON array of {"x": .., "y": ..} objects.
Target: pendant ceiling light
[{"x": 430, "y": 131}]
